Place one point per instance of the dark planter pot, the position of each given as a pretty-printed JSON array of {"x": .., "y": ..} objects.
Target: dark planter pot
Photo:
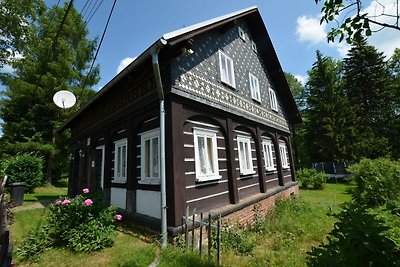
[{"x": 17, "y": 193}]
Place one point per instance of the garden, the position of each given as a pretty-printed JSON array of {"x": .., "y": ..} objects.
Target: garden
[{"x": 355, "y": 223}]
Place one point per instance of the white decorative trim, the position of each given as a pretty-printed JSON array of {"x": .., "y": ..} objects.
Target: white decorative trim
[{"x": 206, "y": 197}]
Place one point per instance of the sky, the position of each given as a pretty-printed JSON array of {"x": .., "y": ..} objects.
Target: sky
[{"x": 293, "y": 27}]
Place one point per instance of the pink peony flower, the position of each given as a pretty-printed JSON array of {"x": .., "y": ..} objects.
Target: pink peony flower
[
  {"x": 66, "y": 202},
  {"x": 88, "y": 202},
  {"x": 118, "y": 217},
  {"x": 58, "y": 202},
  {"x": 86, "y": 190}
]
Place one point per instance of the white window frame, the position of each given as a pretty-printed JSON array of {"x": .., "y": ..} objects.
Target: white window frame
[
  {"x": 120, "y": 163},
  {"x": 273, "y": 100},
  {"x": 212, "y": 134},
  {"x": 246, "y": 163},
  {"x": 254, "y": 87},
  {"x": 283, "y": 154},
  {"x": 226, "y": 68},
  {"x": 268, "y": 157},
  {"x": 145, "y": 136},
  {"x": 242, "y": 34}
]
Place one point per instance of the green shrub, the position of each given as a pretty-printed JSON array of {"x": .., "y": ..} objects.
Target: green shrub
[
  {"x": 378, "y": 181},
  {"x": 24, "y": 168},
  {"x": 311, "y": 179},
  {"x": 359, "y": 238},
  {"x": 82, "y": 224}
]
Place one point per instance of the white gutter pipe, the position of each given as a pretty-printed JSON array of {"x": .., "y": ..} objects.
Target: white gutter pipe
[{"x": 157, "y": 76}]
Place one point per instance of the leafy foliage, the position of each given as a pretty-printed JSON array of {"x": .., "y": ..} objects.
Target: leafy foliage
[
  {"x": 378, "y": 181},
  {"x": 24, "y": 168},
  {"x": 52, "y": 60},
  {"x": 358, "y": 239},
  {"x": 311, "y": 179},
  {"x": 82, "y": 224}
]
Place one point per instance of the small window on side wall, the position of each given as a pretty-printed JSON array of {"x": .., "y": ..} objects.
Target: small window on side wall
[
  {"x": 284, "y": 155},
  {"x": 253, "y": 46},
  {"x": 272, "y": 99},
  {"x": 149, "y": 155},
  {"x": 205, "y": 154},
  {"x": 120, "y": 161},
  {"x": 245, "y": 157},
  {"x": 226, "y": 69},
  {"x": 254, "y": 87},
  {"x": 268, "y": 149}
]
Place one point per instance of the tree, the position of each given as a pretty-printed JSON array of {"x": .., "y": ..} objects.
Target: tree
[
  {"x": 369, "y": 89},
  {"x": 329, "y": 134},
  {"x": 15, "y": 17},
  {"x": 54, "y": 60},
  {"x": 394, "y": 69},
  {"x": 354, "y": 21}
]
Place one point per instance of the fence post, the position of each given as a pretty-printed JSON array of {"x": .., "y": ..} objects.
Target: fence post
[
  {"x": 186, "y": 228},
  {"x": 219, "y": 240},
  {"x": 209, "y": 235},
  {"x": 201, "y": 233},
  {"x": 193, "y": 221}
]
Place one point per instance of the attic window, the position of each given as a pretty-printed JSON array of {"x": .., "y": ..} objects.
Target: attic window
[
  {"x": 272, "y": 99},
  {"x": 242, "y": 34},
  {"x": 253, "y": 46},
  {"x": 226, "y": 69}
]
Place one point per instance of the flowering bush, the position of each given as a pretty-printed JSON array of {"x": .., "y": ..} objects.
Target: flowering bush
[{"x": 82, "y": 223}]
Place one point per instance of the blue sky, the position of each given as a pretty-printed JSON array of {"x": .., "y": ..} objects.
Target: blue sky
[{"x": 293, "y": 27}]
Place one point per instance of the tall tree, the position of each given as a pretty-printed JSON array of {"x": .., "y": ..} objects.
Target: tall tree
[
  {"x": 369, "y": 89},
  {"x": 329, "y": 134},
  {"x": 15, "y": 16},
  {"x": 58, "y": 58},
  {"x": 394, "y": 69}
]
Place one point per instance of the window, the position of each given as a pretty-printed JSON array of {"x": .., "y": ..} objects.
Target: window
[
  {"x": 205, "y": 154},
  {"x": 245, "y": 158},
  {"x": 120, "y": 155},
  {"x": 284, "y": 155},
  {"x": 254, "y": 87},
  {"x": 253, "y": 46},
  {"x": 150, "y": 160},
  {"x": 272, "y": 99},
  {"x": 242, "y": 34},
  {"x": 268, "y": 156},
  {"x": 226, "y": 69}
]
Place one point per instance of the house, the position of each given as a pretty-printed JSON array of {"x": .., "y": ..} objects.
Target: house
[{"x": 208, "y": 106}]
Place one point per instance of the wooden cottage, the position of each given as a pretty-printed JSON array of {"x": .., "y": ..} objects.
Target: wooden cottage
[{"x": 208, "y": 106}]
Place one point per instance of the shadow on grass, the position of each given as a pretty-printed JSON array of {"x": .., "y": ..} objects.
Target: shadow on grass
[
  {"x": 358, "y": 239},
  {"x": 44, "y": 200}
]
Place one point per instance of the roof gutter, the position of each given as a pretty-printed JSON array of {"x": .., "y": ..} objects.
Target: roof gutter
[{"x": 154, "y": 50}]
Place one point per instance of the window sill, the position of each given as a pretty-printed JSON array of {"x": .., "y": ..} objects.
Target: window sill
[
  {"x": 119, "y": 181},
  {"x": 256, "y": 100},
  {"x": 247, "y": 172},
  {"x": 149, "y": 181},
  {"x": 208, "y": 178},
  {"x": 270, "y": 170},
  {"x": 229, "y": 85}
]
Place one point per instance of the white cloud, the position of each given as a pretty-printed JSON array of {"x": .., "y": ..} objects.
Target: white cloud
[
  {"x": 310, "y": 30},
  {"x": 301, "y": 78},
  {"x": 124, "y": 62}
]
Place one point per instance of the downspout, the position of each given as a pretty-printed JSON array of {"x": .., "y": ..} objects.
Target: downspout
[{"x": 157, "y": 75}]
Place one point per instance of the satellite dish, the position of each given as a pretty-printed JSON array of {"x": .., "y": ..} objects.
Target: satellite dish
[{"x": 64, "y": 99}]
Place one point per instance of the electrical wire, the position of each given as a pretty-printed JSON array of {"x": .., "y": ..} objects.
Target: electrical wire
[
  {"x": 87, "y": 22},
  {"x": 98, "y": 48}
]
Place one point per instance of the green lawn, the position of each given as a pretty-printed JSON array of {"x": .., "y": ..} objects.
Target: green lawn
[
  {"x": 44, "y": 194},
  {"x": 281, "y": 239}
]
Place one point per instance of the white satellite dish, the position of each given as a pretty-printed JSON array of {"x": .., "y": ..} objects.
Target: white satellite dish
[{"x": 64, "y": 99}]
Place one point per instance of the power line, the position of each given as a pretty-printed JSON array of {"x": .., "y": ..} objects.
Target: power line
[
  {"x": 98, "y": 48},
  {"x": 87, "y": 22}
]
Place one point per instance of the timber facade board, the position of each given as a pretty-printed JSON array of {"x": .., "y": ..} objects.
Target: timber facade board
[{"x": 234, "y": 119}]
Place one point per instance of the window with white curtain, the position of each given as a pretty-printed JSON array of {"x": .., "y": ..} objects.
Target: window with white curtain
[
  {"x": 254, "y": 87},
  {"x": 245, "y": 158},
  {"x": 272, "y": 99},
  {"x": 206, "y": 154},
  {"x": 268, "y": 147},
  {"x": 120, "y": 160},
  {"x": 284, "y": 155},
  {"x": 226, "y": 69},
  {"x": 150, "y": 156}
]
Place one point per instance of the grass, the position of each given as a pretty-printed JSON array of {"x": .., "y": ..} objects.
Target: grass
[
  {"x": 44, "y": 194},
  {"x": 281, "y": 239}
]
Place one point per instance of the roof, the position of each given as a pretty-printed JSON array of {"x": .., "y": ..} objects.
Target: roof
[{"x": 170, "y": 39}]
